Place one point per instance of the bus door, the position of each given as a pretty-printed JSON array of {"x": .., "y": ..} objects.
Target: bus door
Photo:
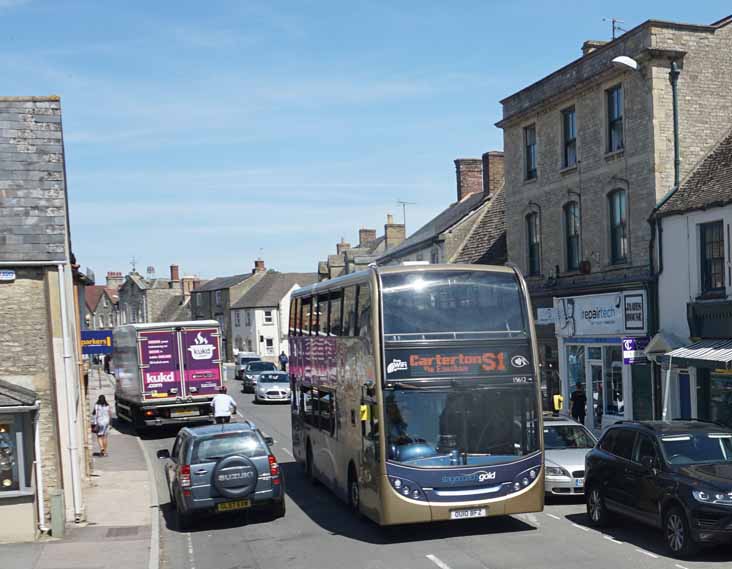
[{"x": 370, "y": 452}]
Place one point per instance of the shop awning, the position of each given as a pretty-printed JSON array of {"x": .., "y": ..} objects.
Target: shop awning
[{"x": 705, "y": 353}]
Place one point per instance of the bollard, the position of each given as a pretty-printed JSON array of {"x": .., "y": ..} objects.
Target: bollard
[{"x": 58, "y": 514}]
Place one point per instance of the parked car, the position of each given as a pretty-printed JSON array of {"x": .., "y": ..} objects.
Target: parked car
[
  {"x": 566, "y": 443},
  {"x": 676, "y": 476},
  {"x": 222, "y": 468},
  {"x": 242, "y": 360},
  {"x": 272, "y": 386},
  {"x": 251, "y": 374}
]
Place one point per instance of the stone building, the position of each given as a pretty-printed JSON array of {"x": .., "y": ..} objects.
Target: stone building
[
  {"x": 588, "y": 154},
  {"x": 101, "y": 307},
  {"x": 42, "y": 417},
  {"x": 260, "y": 318},
  {"x": 471, "y": 228},
  {"x": 214, "y": 299},
  {"x": 349, "y": 259},
  {"x": 155, "y": 299}
]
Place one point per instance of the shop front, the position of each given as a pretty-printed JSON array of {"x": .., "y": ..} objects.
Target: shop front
[{"x": 600, "y": 339}]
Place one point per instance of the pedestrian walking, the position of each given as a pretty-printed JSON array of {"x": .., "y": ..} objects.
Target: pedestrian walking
[
  {"x": 223, "y": 406},
  {"x": 579, "y": 403},
  {"x": 106, "y": 363},
  {"x": 283, "y": 361},
  {"x": 101, "y": 419}
]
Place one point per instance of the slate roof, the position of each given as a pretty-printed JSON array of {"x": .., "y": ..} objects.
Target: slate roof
[
  {"x": 12, "y": 395},
  {"x": 438, "y": 224},
  {"x": 486, "y": 244},
  {"x": 33, "y": 210},
  {"x": 220, "y": 283},
  {"x": 709, "y": 184},
  {"x": 272, "y": 287}
]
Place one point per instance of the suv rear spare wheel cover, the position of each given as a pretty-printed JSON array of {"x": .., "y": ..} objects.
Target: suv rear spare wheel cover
[{"x": 235, "y": 476}]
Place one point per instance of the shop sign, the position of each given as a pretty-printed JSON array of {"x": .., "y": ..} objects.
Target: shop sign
[
  {"x": 96, "y": 342},
  {"x": 613, "y": 314},
  {"x": 545, "y": 316},
  {"x": 633, "y": 350}
]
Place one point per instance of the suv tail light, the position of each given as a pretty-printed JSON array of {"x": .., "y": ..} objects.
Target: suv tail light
[
  {"x": 185, "y": 475},
  {"x": 274, "y": 469}
]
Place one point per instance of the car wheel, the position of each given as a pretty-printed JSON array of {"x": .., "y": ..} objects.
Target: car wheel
[
  {"x": 596, "y": 509},
  {"x": 677, "y": 535}
]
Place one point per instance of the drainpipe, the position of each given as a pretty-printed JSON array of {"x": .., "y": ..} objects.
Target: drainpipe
[
  {"x": 38, "y": 461},
  {"x": 69, "y": 384}
]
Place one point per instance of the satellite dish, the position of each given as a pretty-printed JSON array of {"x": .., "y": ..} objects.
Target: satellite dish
[{"x": 626, "y": 63}]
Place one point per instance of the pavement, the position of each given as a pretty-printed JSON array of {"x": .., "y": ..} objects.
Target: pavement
[{"x": 121, "y": 514}]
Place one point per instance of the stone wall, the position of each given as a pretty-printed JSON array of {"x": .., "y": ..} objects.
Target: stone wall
[{"x": 26, "y": 346}]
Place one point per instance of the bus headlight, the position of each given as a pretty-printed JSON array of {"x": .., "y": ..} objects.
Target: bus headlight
[
  {"x": 407, "y": 488},
  {"x": 524, "y": 479}
]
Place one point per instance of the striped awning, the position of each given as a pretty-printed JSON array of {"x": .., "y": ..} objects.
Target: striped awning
[{"x": 705, "y": 353}]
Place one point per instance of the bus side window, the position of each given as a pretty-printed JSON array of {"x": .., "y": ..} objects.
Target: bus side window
[
  {"x": 294, "y": 316},
  {"x": 363, "y": 308},
  {"x": 320, "y": 322},
  {"x": 305, "y": 316},
  {"x": 349, "y": 308},
  {"x": 327, "y": 411},
  {"x": 336, "y": 316}
]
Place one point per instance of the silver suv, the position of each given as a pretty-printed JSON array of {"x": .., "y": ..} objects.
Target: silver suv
[{"x": 222, "y": 468}]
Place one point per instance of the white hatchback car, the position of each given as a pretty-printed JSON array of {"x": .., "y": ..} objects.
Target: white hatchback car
[{"x": 566, "y": 443}]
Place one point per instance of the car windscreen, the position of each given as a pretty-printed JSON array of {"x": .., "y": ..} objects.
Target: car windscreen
[
  {"x": 452, "y": 304},
  {"x": 261, "y": 366},
  {"x": 273, "y": 378},
  {"x": 474, "y": 426},
  {"x": 567, "y": 436},
  {"x": 226, "y": 444},
  {"x": 697, "y": 448}
]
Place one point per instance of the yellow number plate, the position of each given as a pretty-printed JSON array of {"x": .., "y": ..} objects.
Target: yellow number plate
[
  {"x": 184, "y": 413},
  {"x": 238, "y": 505}
]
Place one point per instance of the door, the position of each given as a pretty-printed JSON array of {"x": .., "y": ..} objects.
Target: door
[
  {"x": 619, "y": 488},
  {"x": 159, "y": 364},
  {"x": 201, "y": 354},
  {"x": 685, "y": 395},
  {"x": 370, "y": 455},
  {"x": 642, "y": 479},
  {"x": 594, "y": 402}
]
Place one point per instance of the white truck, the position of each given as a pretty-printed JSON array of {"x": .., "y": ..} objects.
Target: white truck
[{"x": 167, "y": 372}]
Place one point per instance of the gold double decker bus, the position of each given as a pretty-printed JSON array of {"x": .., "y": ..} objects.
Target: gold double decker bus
[{"x": 415, "y": 392}]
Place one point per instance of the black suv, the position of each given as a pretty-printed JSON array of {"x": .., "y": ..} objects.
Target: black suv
[{"x": 676, "y": 476}]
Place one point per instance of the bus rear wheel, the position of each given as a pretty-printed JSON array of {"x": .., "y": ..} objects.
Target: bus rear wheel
[{"x": 354, "y": 490}]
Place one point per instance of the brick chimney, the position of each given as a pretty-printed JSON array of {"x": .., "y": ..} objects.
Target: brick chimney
[
  {"x": 114, "y": 279},
  {"x": 469, "y": 172},
  {"x": 492, "y": 171},
  {"x": 258, "y": 266},
  {"x": 342, "y": 246},
  {"x": 591, "y": 45},
  {"x": 366, "y": 236},
  {"x": 188, "y": 284},
  {"x": 394, "y": 233},
  {"x": 174, "y": 275}
]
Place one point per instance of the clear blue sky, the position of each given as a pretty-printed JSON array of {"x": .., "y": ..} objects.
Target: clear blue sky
[{"x": 208, "y": 133}]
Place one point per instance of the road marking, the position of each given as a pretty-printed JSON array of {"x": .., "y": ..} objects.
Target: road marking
[
  {"x": 553, "y": 516},
  {"x": 287, "y": 451},
  {"x": 191, "y": 558},
  {"x": 583, "y": 528},
  {"x": 238, "y": 414},
  {"x": 680, "y": 566},
  {"x": 611, "y": 538},
  {"x": 153, "y": 561},
  {"x": 437, "y": 561},
  {"x": 648, "y": 553}
]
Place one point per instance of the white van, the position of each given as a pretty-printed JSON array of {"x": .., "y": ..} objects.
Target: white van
[{"x": 242, "y": 359}]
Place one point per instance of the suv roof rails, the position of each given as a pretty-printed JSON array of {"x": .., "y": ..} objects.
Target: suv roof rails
[
  {"x": 696, "y": 420},
  {"x": 632, "y": 422}
]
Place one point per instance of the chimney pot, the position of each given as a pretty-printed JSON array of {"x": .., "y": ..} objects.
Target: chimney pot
[{"x": 469, "y": 174}]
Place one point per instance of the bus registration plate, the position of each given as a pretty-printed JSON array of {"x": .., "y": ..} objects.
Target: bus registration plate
[{"x": 468, "y": 513}]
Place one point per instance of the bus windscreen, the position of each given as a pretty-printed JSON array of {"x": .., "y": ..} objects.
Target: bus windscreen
[{"x": 452, "y": 304}]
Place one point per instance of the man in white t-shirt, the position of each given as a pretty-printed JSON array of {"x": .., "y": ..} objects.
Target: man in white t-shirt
[{"x": 223, "y": 406}]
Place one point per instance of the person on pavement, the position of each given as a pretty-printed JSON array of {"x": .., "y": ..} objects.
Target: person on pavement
[
  {"x": 283, "y": 361},
  {"x": 223, "y": 406},
  {"x": 579, "y": 403},
  {"x": 101, "y": 420}
]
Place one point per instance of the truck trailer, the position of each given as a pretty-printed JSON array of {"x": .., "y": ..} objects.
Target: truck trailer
[{"x": 167, "y": 372}]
